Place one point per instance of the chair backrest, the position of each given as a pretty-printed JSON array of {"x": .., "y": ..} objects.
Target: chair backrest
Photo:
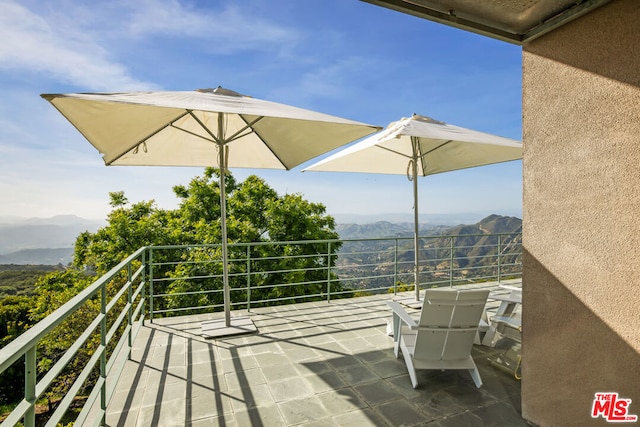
[{"x": 448, "y": 323}]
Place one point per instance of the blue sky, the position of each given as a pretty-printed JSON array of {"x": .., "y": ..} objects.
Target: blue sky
[{"x": 341, "y": 57}]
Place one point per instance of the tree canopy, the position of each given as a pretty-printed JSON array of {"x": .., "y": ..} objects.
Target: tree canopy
[{"x": 255, "y": 212}]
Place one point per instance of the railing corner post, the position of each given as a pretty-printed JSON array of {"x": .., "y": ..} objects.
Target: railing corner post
[
  {"x": 329, "y": 271},
  {"x": 143, "y": 279},
  {"x": 30, "y": 386},
  {"x": 151, "y": 284},
  {"x": 395, "y": 268},
  {"x": 499, "y": 251},
  {"x": 248, "y": 278},
  {"x": 130, "y": 311},
  {"x": 451, "y": 259}
]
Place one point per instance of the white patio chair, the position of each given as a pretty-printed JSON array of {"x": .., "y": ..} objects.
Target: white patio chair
[
  {"x": 507, "y": 320},
  {"x": 443, "y": 336}
]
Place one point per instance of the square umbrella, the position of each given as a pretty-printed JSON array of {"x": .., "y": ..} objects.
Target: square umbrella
[
  {"x": 207, "y": 127},
  {"x": 421, "y": 146}
]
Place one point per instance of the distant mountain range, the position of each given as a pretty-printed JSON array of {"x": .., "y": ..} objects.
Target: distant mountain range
[
  {"x": 423, "y": 219},
  {"x": 41, "y": 240},
  {"x": 386, "y": 229},
  {"x": 50, "y": 241},
  {"x": 492, "y": 224},
  {"x": 39, "y": 257},
  {"x": 472, "y": 250}
]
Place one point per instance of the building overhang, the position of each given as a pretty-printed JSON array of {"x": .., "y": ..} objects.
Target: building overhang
[{"x": 513, "y": 21}]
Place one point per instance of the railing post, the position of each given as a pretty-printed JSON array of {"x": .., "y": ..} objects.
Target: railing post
[
  {"x": 143, "y": 283},
  {"x": 499, "y": 250},
  {"x": 129, "y": 312},
  {"x": 30, "y": 386},
  {"x": 451, "y": 262},
  {"x": 151, "y": 285},
  {"x": 395, "y": 269},
  {"x": 248, "y": 277},
  {"x": 328, "y": 271}
]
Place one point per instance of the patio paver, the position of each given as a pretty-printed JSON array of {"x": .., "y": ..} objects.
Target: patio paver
[{"x": 309, "y": 364}]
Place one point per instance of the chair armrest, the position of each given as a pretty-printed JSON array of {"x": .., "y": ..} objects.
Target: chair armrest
[
  {"x": 511, "y": 288},
  {"x": 399, "y": 311},
  {"x": 514, "y": 299}
]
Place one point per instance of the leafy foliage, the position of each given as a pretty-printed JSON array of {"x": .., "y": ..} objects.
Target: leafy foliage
[
  {"x": 54, "y": 290},
  {"x": 255, "y": 213},
  {"x": 14, "y": 320}
]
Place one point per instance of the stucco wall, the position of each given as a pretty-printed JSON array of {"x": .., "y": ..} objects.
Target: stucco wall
[{"x": 581, "y": 216}]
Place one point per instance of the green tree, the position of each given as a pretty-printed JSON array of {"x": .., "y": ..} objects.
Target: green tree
[
  {"x": 14, "y": 320},
  {"x": 128, "y": 229},
  {"x": 255, "y": 213}
]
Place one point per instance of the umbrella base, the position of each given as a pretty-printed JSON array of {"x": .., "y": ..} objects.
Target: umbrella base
[{"x": 218, "y": 328}]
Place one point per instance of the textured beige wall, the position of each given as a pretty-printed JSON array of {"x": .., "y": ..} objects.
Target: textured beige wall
[{"x": 581, "y": 216}]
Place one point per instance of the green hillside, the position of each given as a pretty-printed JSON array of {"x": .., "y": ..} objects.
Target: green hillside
[
  {"x": 20, "y": 279},
  {"x": 475, "y": 254}
]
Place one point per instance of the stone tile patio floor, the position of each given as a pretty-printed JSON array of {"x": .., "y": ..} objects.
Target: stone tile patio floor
[{"x": 310, "y": 364}]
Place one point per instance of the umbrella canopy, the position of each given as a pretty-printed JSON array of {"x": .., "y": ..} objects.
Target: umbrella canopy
[
  {"x": 208, "y": 127},
  {"x": 421, "y": 146},
  {"x": 186, "y": 128}
]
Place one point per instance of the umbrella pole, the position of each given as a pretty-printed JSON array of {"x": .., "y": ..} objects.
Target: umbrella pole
[
  {"x": 223, "y": 225},
  {"x": 416, "y": 240}
]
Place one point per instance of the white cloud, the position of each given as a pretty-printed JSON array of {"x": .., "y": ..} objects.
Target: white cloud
[
  {"x": 331, "y": 81},
  {"x": 33, "y": 43},
  {"x": 229, "y": 29},
  {"x": 77, "y": 44}
]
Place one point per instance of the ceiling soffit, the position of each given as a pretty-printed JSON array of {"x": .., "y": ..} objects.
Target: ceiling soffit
[{"x": 514, "y": 21}]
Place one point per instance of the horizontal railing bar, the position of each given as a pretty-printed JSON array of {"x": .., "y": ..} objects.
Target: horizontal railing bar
[
  {"x": 17, "y": 414},
  {"x": 118, "y": 322},
  {"x": 271, "y": 258},
  {"x": 139, "y": 271},
  {"x": 317, "y": 242},
  {"x": 137, "y": 291},
  {"x": 240, "y": 274},
  {"x": 205, "y": 291},
  {"x": 307, "y": 296},
  {"x": 66, "y": 401},
  {"x": 117, "y": 348},
  {"x": 138, "y": 309},
  {"x": 18, "y": 347},
  {"x": 93, "y": 397},
  {"x": 112, "y": 303},
  {"x": 169, "y": 310},
  {"x": 368, "y": 277},
  {"x": 46, "y": 381}
]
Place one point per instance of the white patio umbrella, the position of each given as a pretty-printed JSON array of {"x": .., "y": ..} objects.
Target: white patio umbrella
[
  {"x": 421, "y": 146},
  {"x": 207, "y": 127}
]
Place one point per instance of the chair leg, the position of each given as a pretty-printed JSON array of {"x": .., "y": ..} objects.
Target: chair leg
[
  {"x": 412, "y": 371},
  {"x": 398, "y": 337},
  {"x": 475, "y": 375}
]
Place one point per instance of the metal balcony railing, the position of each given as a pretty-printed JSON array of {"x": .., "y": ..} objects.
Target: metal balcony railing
[{"x": 178, "y": 280}]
